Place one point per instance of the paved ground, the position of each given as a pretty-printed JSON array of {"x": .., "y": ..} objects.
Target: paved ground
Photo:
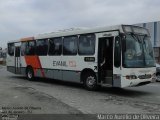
[{"x": 42, "y": 96}]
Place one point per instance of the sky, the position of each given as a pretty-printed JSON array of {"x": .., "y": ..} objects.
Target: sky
[{"x": 25, "y": 18}]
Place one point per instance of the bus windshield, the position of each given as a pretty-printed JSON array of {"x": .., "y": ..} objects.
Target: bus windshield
[{"x": 137, "y": 51}]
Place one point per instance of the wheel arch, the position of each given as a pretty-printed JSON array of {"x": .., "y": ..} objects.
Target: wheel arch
[
  {"x": 158, "y": 73},
  {"x": 29, "y": 67},
  {"x": 84, "y": 72}
]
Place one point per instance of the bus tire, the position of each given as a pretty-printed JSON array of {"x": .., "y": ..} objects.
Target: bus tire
[
  {"x": 158, "y": 77},
  {"x": 30, "y": 74},
  {"x": 90, "y": 82}
]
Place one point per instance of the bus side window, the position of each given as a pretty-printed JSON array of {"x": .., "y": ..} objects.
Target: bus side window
[
  {"x": 11, "y": 49},
  {"x": 42, "y": 47},
  {"x": 117, "y": 52},
  {"x": 17, "y": 52},
  {"x": 23, "y": 48},
  {"x": 87, "y": 44},
  {"x": 55, "y": 46},
  {"x": 70, "y": 45},
  {"x": 30, "y": 48}
]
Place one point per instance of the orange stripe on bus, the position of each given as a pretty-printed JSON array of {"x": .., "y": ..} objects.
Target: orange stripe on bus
[
  {"x": 27, "y": 39},
  {"x": 34, "y": 61},
  {"x": 42, "y": 70}
]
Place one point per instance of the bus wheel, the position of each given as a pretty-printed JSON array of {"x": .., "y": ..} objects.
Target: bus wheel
[
  {"x": 30, "y": 74},
  {"x": 90, "y": 82},
  {"x": 158, "y": 77}
]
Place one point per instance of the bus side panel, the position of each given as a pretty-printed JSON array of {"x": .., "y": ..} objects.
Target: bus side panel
[
  {"x": 51, "y": 67},
  {"x": 43, "y": 67},
  {"x": 72, "y": 76},
  {"x": 117, "y": 77},
  {"x": 11, "y": 69},
  {"x": 23, "y": 65},
  {"x": 66, "y": 68},
  {"x": 10, "y": 64},
  {"x": 75, "y": 65},
  {"x": 71, "y": 71}
]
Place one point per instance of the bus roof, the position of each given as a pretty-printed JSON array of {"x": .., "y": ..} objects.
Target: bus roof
[
  {"x": 27, "y": 39},
  {"x": 73, "y": 31},
  {"x": 76, "y": 31}
]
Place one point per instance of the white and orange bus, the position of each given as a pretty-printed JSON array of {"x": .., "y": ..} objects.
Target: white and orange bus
[{"x": 116, "y": 56}]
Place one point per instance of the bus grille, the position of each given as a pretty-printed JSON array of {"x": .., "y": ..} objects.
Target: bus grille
[{"x": 147, "y": 76}]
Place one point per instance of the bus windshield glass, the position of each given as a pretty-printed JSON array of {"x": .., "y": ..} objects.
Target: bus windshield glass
[{"x": 137, "y": 51}]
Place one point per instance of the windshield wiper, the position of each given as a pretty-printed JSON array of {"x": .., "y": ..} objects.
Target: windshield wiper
[
  {"x": 144, "y": 37},
  {"x": 135, "y": 37},
  {"x": 141, "y": 41}
]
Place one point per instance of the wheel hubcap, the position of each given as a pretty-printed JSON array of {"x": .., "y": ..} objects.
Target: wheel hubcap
[
  {"x": 158, "y": 77},
  {"x": 91, "y": 81},
  {"x": 29, "y": 74}
]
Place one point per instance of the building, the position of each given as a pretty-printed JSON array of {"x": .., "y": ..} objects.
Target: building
[
  {"x": 3, "y": 54},
  {"x": 154, "y": 29}
]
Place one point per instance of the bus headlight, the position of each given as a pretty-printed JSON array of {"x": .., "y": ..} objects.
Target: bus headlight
[{"x": 131, "y": 77}]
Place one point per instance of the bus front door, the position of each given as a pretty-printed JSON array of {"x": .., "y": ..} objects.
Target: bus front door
[
  {"x": 17, "y": 60},
  {"x": 105, "y": 60}
]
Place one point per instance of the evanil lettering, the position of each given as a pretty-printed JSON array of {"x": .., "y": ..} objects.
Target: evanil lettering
[
  {"x": 60, "y": 63},
  {"x": 64, "y": 63}
]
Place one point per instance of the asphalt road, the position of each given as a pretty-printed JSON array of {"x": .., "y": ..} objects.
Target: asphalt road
[{"x": 43, "y": 96}]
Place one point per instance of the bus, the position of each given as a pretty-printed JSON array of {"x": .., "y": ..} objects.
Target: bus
[{"x": 117, "y": 56}]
